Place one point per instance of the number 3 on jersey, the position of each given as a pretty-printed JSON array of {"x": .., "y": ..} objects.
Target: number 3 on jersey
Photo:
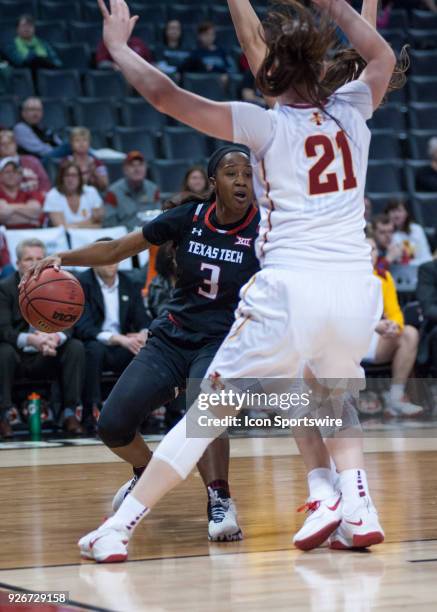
[
  {"x": 320, "y": 181},
  {"x": 212, "y": 283}
]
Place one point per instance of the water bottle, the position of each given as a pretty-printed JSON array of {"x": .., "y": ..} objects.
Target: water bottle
[{"x": 34, "y": 419}]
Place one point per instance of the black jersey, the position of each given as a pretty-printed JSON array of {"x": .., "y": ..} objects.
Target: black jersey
[{"x": 213, "y": 263}]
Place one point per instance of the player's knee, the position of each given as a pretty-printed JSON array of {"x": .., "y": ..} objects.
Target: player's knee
[{"x": 113, "y": 431}]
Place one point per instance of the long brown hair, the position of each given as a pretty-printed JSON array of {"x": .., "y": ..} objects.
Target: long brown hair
[
  {"x": 63, "y": 169},
  {"x": 299, "y": 43}
]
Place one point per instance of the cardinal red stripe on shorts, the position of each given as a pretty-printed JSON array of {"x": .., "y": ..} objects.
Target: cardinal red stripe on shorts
[{"x": 271, "y": 208}]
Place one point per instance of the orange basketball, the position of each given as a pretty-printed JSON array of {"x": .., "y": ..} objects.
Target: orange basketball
[{"x": 52, "y": 303}]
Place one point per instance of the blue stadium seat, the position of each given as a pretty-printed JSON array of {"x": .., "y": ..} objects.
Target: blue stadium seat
[
  {"x": 207, "y": 85},
  {"x": 21, "y": 83},
  {"x": 146, "y": 31},
  {"x": 56, "y": 114},
  {"x": 423, "y": 63},
  {"x": 90, "y": 11},
  {"x": 58, "y": 9},
  {"x": 94, "y": 113},
  {"x": 389, "y": 117},
  {"x": 8, "y": 28},
  {"x": 155, "y": 13},
  {"x": 423, "y": 116},
  {"x": 74, "y": 55},
  {"x": 385, "y": 176},
  {"x": 86, "y": 32},
  {"x": 422, "y": 39},
  {"x": 226, "y": 37},
  {"x": 422, "y": 89},
  {"x": 385, "y": 144},
  {"x": 58, "y": 83},
  {"x": 169, "y": 174},
  {"x": 187, "y": 14},
  {"x": 412, "y": 167},
  {"x": 418, "y": 142},
  {"x": 397, "y": 38},
  {"x": 8, "y": 112},
  {"x": 183, "y": 143},
  {"x": 135, "y": 112},
  {"x": 220, "y": 15},
  {"x": 398, "y": 19},
  {"x": 136, "y": 139},
  {"x": 424, "y": 207},
  {"x": 52, "y": 31},
  {"x": 105, "y": 84},
  {"x": 423, "y": 20},
  {"x": 12, "y": 9}
]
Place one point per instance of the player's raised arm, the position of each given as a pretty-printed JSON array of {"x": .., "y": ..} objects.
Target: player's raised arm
[
  {"x": 213, "y": 118},
  {"x": 95, "y": 254},
  {"x": 248, "y": 29},
  {"x": 378, "y": 54}
]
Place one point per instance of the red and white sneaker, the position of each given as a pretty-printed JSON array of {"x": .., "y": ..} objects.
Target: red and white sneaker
[
  {"x": 105, "y": 545},
  {"x": 324, "y": 516},
  {"x": 358, "y": 530}
]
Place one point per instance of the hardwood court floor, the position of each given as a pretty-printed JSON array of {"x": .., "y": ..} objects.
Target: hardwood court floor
[{"x": 49, "y": 498}]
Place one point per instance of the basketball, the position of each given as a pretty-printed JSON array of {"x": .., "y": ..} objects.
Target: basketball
[{"x": 53, "y": 302}]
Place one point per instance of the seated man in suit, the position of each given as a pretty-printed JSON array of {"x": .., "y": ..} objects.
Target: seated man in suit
[
  {"x": 25, "y": 351},
  {"x": 113, "y": 327}
]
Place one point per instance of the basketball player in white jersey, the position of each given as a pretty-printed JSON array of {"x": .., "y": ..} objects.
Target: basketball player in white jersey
[
  {"x": 321, "y": 479},
  {"x": 315, "y": 299}
]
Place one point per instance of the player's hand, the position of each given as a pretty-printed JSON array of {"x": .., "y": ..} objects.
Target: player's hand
[
  {"x": 383, "y": 327},
  {"x": 392, "y": 331},
  {"x": 117, "y": 24},
  {"x": 36, "y": 269},
  {"x": 130, "y": 343}
]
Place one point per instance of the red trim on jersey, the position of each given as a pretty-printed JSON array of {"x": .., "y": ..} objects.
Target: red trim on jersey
[
  {"x": 305, "y": 105},
  {"x": 271, "y": 208},
  {"x": 232, "y": 231}
]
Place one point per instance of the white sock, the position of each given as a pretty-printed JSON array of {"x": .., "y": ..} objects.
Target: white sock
[
  {"x": 334, "y": 474},
  {"x": 354, "y": 489},
  {"x": 397, "y": 391},
  {"x": 320, "y": 484},
  {"x": 129, "y": 515}
]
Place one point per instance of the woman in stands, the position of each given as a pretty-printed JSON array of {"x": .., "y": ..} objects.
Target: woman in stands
[
  {"x": 316, "y": 298},
  {"x": 410, "y": 236},
  {"x": 196, "y": 180},
  {"x": 214, "y": 236}
]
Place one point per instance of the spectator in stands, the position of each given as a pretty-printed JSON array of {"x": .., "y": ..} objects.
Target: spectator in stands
[
  {"x": 196, "y": 180},
  {"x": 388, "y": 251},
  {"x": 130, "y": 196},
  {"x": 113, "y": 327},
  {"x": 208, "y": 57},
  {"x": 94, "y": 171},
  {"x": 426, "y": 179},
  {"x": 35, "y": 139},
  {"x": 426, "y": 292},
  {"x": 172, "y": 55},
  {"x": 71, "y": 203},
  {"x": 104, "y": 60},
  {"x": 28, "y": 51},
  {"x": 410, "y": 236},
  {"x": 18, "y": 209},
  {"x": 34, "y": 177},
  {"x": 25, "y": 351},
  {"x": 161, "y": 287},
  {"x": 394, "y": 342},
  {"x": 6, "y": 268}
]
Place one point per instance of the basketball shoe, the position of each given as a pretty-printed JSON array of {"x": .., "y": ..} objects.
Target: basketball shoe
[
  {"x": 222, "y": 519},
  {"x": 105, "y": 545},
  {"x": 401, "y": 408},
  {"x": 324, "y": 516},
  {"x": 122, "y": 492},
  {"x": 360, "y": 529}
]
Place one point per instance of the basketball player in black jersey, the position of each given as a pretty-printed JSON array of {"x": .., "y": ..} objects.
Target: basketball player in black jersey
[{"x": 215, "y": 257}]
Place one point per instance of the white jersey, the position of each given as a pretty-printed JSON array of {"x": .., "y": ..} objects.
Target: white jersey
[{"x": 310, "y": 173}]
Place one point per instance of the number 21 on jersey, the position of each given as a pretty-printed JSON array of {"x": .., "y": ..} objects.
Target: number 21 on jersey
[{"x": 320, "y": 180}]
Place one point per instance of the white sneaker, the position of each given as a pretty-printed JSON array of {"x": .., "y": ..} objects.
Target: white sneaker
[
  {"x": 401, "y": 408},
  {"x": 324, "y": 516},
  {"x": 122, "y": 492},
  {"x": 105, "y": 545},
  {"x": 360, "y": 529},
  {"x": 222, "y": 519}
]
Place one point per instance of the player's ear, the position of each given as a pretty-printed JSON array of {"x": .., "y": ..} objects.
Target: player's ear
[{"x": 213, "y": 182}]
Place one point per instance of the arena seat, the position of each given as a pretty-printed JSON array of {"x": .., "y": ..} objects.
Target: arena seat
[
  {"x": 423, "y": 63},
  {"x": 58, "y": 83},
  {"x": 424, "y": 206},
  {"x": 12, "y": 9},
  {"x": 226, "y": 37},
  {"x": 220, "y": 15},
  {"x": 169, "y": 174},
  {"x": 136, "y": 112},
  {"x": 86, "y": 32},
  {"x": 389, "y": 117},
  {"x": 385, "y": 176},
  {"x": 136, "y": 139},
  {"x": 94, "y": 113},
  {"x": 385, "y": 144},
  {"x": 56, "y": 113},
  {"x": 153, "y": 14},
  {"x": 412, "y": 167},
  {"x": 182, "y": 143},
  {"x": 105, "y": 84},
  {"x": 52, "y": 31},
  {"x": 8, "y": 112},
  {"x": 424, "y": 20},
  {"x": 423, "y": 116},
  {"x": 422, "y": 39},
  {"x": 21, "y": 83},
  {"x": 187, "y": 14},
  {"x": 146, "y": 31},
  {"x": 422, "y": 89},
  {"x": 208, "y": 85},
  {"x": 74, "y": 55},
  {"x": 67, "y": 9},
  {"x": 418, "y": 142}
]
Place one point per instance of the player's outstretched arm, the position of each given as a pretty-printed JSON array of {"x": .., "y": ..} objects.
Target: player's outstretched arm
[
  {"x": 95, "y": 254},
  {"x": 213, "y": 118},
  {"x": 248, "y": 28},
  {"x": 369, "y": 11},
  {"x": 369, "y": 44}
]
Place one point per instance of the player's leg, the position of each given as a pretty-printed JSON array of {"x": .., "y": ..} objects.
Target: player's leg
[
  {"x": 261, "y": 346},
  {"x": 213, "y": 466}
]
